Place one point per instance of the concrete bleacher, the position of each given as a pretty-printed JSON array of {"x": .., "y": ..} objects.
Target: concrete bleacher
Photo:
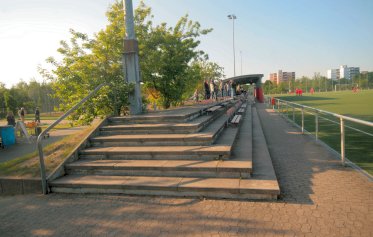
[{"x": 186, "y": 152}]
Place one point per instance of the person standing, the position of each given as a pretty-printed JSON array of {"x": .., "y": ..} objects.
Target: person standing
[
  {"x": 232, "y": 89},
  {"x": 212, "y": 89},
  {"x": 37, "y": 115},
  {"x": 221, "y": 88},
  {"x": 216, "y": 90},
  {"x": 21, "y": 114},
  {"x": 10, "y": 118},
  {"x": 195, "y": 95},
  {"x": 226, "y": 88},
  {"x": 229, "y": 88},
  {"x": 207, "y": 90}
]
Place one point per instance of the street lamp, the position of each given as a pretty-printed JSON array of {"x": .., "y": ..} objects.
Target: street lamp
[
  {"x": 241, "y": 60},
  {"x": 233, "y": 17}
]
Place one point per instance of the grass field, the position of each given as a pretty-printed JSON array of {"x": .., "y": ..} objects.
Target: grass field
[{"x": 359, "y": 146}]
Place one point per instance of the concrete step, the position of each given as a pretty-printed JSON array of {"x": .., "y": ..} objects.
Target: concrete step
[
  {"x": 212, "y": 127},
  {"x": 159, "y": 128},
  {"x": 157, "y": 152},
  {"x": 233, "y": 188},
  {"x": 194, "y": 139},
  {"x": 163, "y": 127},
  {"x": 162, "y": 168},
  {"x": 179, "y": 115}
]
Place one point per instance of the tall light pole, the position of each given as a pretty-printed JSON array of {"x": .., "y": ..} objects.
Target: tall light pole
[
  {"x": 241, "y": 60},
  {"x": 131, "y": 60},
  {"x": 233, "y": 17}
]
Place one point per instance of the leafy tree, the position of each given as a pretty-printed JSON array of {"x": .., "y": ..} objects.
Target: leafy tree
[
  {"x": 86, "y": 64},
  {"x": 166, "y": 55}
]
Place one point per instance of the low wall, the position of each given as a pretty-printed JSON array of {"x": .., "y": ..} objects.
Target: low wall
[{"x": 13, "y": 186}]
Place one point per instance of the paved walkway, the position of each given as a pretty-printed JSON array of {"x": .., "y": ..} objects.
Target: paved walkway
[
  {"x": 24, "y": 147},
  {"x": 319, "y": 198}
]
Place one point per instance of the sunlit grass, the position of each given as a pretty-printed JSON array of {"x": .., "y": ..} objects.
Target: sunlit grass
[{"x": 28, "y": 165}]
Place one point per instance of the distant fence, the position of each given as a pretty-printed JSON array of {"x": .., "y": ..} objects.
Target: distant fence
[{"x": 333, "y": 130}]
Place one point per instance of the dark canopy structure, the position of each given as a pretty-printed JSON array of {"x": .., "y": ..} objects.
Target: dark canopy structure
[{"x": 249, "y": 79}]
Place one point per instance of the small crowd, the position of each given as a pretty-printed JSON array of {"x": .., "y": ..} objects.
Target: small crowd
[
  {"x": 218, "y": 89},
  {"x": 21, "y": 113}
]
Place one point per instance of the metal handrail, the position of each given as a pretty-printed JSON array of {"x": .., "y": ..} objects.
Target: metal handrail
[
  {"x": 41, "y": 135},
  {"x": 331, "y": 113},
  {"x": 342, "y": 119}
]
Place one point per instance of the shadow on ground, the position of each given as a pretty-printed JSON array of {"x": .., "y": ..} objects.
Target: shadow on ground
[{"x": 297, "y": 158}]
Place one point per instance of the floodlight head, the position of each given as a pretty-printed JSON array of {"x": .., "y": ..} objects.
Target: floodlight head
[{"x": 232, "y": 16}]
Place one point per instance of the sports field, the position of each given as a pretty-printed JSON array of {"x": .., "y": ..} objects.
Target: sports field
[{"x": 359, "y": 146}]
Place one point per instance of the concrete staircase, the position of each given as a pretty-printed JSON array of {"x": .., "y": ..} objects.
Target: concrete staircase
[{"x": 183, "y": 152}]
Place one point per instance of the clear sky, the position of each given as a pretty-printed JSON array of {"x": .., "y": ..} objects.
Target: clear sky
[{"x": 304, "y": 36}]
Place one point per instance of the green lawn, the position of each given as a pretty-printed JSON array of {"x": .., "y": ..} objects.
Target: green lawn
[
  {"x": 359, "y": 146},
  {"x": 357, "y": 105}
]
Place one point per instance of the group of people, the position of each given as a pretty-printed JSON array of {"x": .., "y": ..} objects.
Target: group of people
[
  {"x": 21, "y": 113},
  {"x": 214, "y": 90},
  {"x": 355, "y": 89},
  {"x": 298, "y": 92}
]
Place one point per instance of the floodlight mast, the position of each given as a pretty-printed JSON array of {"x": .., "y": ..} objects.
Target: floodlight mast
[{"x": 233, "y": 17}]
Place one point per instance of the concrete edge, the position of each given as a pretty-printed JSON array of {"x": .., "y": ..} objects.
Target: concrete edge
[
  {"x": 263, "y": 167},
  {"x": 19, "y": 185},
  {"x": 74, "y": 155}
]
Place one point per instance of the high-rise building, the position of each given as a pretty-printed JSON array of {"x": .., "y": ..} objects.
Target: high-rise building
[
  {"x": 273, "y": 78},
  {"x": 333, "y": 74},
  {"x": 281, "y": 76},
  {"x": 343, "y": 72}
]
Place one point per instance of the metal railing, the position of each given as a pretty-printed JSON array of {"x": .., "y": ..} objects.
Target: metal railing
[
  {"x": 42, "y": 134},
  {"x": 278, "y": 104}
]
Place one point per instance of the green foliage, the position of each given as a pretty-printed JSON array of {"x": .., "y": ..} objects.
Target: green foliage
[
  {"x": 168, "y": 56},
  {"x": 86, "y": 64},
  {"x": 27, "y": 95}
]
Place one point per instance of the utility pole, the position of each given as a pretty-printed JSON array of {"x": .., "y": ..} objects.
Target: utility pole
[
  {"x": 131, "y": 60},
  {"x": 241, "y": 60},
  {"x": 233, "y": 17}
]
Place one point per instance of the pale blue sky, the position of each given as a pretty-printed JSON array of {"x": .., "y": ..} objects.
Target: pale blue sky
[{"x": 304, "y": 36}]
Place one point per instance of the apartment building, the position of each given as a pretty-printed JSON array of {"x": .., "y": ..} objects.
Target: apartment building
[
  {"x": 281, "y": 76},
  {"x": 343, "y": 72}
]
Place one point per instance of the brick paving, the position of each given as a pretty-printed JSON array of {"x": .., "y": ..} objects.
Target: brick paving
[{"x": 319, "y": 198}]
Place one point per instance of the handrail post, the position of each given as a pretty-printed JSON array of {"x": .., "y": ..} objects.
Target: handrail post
[
  {"x": 317, "y": 125},
  {"x": 302, "y": 120},
  {"x": 41, "y": 135},
  {"x": 42, "y": 170},
  {"x": 342, "y": 141},
  {"x": 287, "y": 109}
]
